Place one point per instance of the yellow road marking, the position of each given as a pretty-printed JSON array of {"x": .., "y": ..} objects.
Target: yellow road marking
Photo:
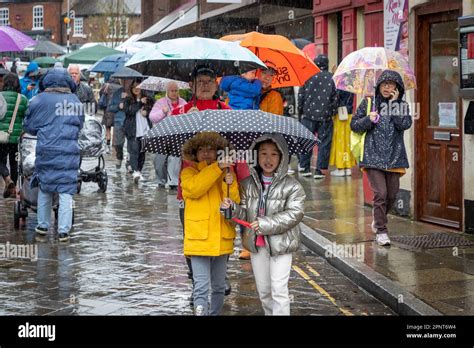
[
  {"x": 320, "y": 290},
  {"x": 312, "y": 270}
]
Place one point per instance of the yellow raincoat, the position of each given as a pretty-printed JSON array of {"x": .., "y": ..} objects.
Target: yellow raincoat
[{"x": 206, "y": 232}]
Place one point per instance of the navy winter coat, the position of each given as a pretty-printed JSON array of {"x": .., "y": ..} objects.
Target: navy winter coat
[
  {"x": 384, "y": 147},
  {"x": 56, "y": 116}
]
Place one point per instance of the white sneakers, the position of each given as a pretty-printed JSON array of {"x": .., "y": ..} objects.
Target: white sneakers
[
  {"x": 341, "y": 172},
  {"x": 291, "y": 171},
  {"x": 137, "y": 176},
  {"x": 382, "y": 239},
  {"x": 300, "y": 169},
  {"x": 199, "y": 310}
]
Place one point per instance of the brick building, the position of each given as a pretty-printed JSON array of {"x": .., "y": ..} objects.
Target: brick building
[{"x": 38, "y": 19}]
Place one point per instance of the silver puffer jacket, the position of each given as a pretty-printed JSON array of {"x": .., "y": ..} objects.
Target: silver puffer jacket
[{"x": 284, "y": 206}]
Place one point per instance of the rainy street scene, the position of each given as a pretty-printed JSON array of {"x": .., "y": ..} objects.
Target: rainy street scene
[{"x": 238, "y": 158}]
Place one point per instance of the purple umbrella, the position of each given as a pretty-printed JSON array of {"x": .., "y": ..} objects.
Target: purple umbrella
[{"x": 12, "y": 40}]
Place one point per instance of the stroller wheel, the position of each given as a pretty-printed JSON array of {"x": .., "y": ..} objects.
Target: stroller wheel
[
  {"x": 103, "y": 182},
  {"x": 16, "y": 215},
  {"x": 79, "y": 186}
]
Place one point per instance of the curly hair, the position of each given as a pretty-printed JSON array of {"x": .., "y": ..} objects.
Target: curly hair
[{"x": 204, "y": 139}]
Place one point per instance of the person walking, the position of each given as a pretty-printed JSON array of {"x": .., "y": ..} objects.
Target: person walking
[
  {"x": 341, "y": 155},
  {"x": 273, "y": 202},
  {"x": 137, "y": 109},
  {"x": 317, "y": 101},
  {"x": 57, "y": 149},
  {"x": 29, "y": 83},
  {"x": 208, "y": 237},
  {"x": 83, "y": 91},
  {"x": 384, "y": 157},
  {"x": 109, "y": 90},
  {"x": 12, "y": 124},
  {"x": 167, "y": 168}
]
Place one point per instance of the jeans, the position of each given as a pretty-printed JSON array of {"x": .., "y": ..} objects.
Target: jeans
[
  {"x": 324, "y": 130},
  {"x": 209, "y": 269},
  {"x": 137, "y": 158},
  {"x": 385, "y": 186},
  {"x": 271, "y": 277},
  {"x": 167, "y": 169},
  {"x": 45, "y": 205},
  {"x": 8, "y": 152}
]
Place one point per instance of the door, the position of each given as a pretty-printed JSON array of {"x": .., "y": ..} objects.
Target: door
[{"x": 438, "y": 134}]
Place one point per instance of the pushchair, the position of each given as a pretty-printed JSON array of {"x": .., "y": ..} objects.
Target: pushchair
[
  {"x": 27, "y": 197},
  {"x": 93, "y": 144}
]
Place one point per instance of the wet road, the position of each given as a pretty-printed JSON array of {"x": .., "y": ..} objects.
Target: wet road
[{"x": 125, "y": 258}]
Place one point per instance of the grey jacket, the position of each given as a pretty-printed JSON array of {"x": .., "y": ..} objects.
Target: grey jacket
[{"x": 284, "y": 206}]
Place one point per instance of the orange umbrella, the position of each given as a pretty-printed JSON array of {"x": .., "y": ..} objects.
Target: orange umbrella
[{"x": 293, "y": 66}]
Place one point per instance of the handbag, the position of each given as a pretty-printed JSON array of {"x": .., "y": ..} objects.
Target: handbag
[
  {"x": 5, "y": 136},
  {"x": 357, "y": 140},
  {"x": 103, "y": 99},
  {"x": 342, "y": 113}
]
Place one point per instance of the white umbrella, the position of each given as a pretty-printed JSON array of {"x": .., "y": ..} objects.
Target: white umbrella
[{"x": 158, "y": 84}]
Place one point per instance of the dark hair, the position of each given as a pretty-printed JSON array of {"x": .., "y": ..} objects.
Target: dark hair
[
  {"x": 11, "y": 83},
  {"x": 257, "y": 147},
  {"x": 203, "y": 70}
]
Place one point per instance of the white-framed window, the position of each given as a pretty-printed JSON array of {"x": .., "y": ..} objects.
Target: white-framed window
[
  {"x": 78, "y": 26},
  {"x": 38, "y": 20},
  {"x": 118, "y": 27},
  {"x": 4, "y": 16}
]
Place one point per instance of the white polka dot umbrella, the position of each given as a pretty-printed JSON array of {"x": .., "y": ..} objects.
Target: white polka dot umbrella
[{"x": 240, "y": 127}]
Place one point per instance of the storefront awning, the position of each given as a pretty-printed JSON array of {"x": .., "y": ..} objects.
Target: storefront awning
[{"x": 186, "y": 15}]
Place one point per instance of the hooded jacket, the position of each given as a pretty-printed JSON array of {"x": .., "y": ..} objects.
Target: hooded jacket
[
  {"x": 206, "y": 232},
  {"x": 284, "y": 208},
  {"x": 56, "y": 116},
  {"x": 317, "y": 99},
  {"x": 243, "y": 94},
  {"x": 27, "y": 80},
  {"x": 384, "y": 147}
]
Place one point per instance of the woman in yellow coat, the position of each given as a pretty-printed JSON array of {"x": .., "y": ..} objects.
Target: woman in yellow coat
[{"x": 208, "y": 237}]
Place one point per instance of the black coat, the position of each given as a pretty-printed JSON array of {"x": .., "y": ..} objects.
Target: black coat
[
  {"x": 317, "y": 99},
  {"x": 131, "y": 107},
  {"x": 384, "y": 147}
]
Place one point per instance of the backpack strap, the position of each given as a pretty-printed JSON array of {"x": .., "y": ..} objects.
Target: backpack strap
[{"x": 15, "y": 112}]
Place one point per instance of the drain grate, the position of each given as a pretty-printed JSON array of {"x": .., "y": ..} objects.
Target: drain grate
[{"x": 433, "y": 240}]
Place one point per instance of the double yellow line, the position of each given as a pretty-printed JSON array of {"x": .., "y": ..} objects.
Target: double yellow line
[{"x": 318, "y": 287}]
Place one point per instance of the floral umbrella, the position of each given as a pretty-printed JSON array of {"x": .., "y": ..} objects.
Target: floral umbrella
[
  {"x": 158, "y": 84},
  {"x": 358, "y": 71}
]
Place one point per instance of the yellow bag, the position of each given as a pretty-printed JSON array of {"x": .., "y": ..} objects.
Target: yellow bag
[{"x": 358, "y": 139}]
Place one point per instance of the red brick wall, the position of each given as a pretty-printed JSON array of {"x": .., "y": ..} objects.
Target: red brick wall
[{"x": 21, "y": 17}]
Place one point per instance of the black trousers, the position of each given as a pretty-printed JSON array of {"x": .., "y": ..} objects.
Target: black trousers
[{"x": 8, "y": 153}]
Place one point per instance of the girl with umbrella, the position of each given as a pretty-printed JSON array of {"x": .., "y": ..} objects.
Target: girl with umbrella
[
  {"x": 274, "y": 202},
  {"x": 208, "y": 237},
  {"x": 384, "y": 155}
]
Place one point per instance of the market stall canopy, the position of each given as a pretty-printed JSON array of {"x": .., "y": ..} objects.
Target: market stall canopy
[
  {"x": 89, "y": 55},
  {"x": 46, "y": 47}
]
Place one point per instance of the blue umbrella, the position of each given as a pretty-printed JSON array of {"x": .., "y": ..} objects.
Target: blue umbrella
[
  {"x": 176, "y": 59},
  {"x": 110, "y": 64}
]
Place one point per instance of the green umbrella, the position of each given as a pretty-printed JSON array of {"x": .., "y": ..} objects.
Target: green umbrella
[
  {"x": 89, "y": 55},
  {"x": 45, "y": 62}
]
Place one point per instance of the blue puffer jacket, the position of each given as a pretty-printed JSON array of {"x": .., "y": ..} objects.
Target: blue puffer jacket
[
  {"x": 243, "y": 94},
  {"x": 56, "y": 116}
]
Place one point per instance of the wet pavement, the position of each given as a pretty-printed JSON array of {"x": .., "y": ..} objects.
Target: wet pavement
[
  {"x": 125, "y": 258},
  {"x": 441, "y": 277}
]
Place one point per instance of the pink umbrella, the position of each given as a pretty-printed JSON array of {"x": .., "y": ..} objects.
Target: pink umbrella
[{"x": 12, "y": 40}]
